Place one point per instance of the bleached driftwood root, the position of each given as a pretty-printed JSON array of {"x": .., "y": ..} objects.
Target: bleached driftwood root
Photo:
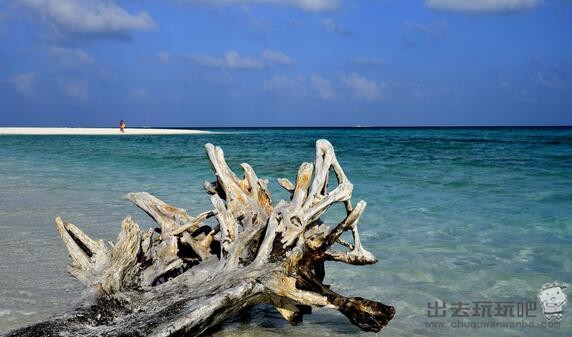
[{"x": 190, "y": 276}]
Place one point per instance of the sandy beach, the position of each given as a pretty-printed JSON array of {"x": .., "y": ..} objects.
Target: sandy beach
[{"x": 96, "y": 131}]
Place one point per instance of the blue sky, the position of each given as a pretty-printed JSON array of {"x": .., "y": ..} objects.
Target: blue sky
[{"x": 285, "y": 62}]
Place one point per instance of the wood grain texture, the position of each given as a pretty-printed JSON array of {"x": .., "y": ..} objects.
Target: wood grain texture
[{"x": 187, "y": 275}]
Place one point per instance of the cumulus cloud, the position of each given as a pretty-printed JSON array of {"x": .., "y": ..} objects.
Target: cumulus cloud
[
  {"x": 322, "y": 87},
  {"x": 24, "y": 83},
  {"x": 331, "y": 25},
  {"x": 164, "y": 58},
  {"x": 361, "y": 87},
  {"x": 479, "y": 6},
  {"x": 305, "y": 5},
  {"x": 71, "y": 57},
  {"x": 234, "y": 61},
  {"x": 75, "y": 88},
  {"x": 368, "y": 61},
  {"x": 88, "y": 17}
]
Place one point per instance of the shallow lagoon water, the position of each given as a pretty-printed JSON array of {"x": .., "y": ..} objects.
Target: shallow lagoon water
[{"x": 453, "y": 215}]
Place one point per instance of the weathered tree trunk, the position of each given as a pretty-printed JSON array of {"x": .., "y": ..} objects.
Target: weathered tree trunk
[{"x": 188, "y": 276}]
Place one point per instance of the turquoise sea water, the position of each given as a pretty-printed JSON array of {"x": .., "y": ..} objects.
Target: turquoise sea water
[{"x": 453, "y": 215}]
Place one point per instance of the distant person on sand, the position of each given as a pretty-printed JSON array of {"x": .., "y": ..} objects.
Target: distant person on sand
[{"x": 122, "y": 126}]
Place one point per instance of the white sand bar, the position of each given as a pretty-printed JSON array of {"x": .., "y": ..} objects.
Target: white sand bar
[{"x": 96, "y": 131}]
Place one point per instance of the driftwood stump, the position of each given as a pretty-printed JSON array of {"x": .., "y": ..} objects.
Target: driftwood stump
[{"x": 186, "y": 276}]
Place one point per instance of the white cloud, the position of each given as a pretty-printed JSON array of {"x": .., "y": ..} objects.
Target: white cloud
[
  {"x": 233, "y": 60},
  {"x": 361, "y": 87},
  {"x": 478, "y": 6},
  {"x": 71, "y": 57},
  {"x": 75, "y": 89},
  {"x": 164, "y": 58},
  {"x": 24, "y": 83},
  {"x": 138, "y": 93},
  {"x": 276, "y": 58},
  {"x": 88, "y": 17},
  {"x": 331, "y": 25},
  {"x": 368, "y": 61},
  {"x": 306, "y": 5},
  {"x": 322, "y": 86}
]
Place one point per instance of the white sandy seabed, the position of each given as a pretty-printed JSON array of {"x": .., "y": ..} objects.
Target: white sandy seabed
[{"x": 96, "y": 131}]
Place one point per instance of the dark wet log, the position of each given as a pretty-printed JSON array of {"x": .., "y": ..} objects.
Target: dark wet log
[{"x": 188, "y": 276}]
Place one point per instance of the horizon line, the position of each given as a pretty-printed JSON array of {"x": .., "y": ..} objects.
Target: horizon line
[{"x": 313, "y": 127}]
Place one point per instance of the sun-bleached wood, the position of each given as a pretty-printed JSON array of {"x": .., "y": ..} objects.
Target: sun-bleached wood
[{"x": 190, "y": 274}]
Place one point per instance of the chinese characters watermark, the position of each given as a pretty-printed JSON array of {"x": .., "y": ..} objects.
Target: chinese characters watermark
[
  {"x": 481, "y": 309},
  {"x": 501, "y": 314}
]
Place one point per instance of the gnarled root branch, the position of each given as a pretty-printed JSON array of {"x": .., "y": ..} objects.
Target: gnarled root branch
[{"x": 187, "y": 276}]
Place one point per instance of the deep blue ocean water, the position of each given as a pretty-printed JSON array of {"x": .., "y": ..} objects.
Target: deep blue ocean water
[{"x": 453, "y": 215}]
